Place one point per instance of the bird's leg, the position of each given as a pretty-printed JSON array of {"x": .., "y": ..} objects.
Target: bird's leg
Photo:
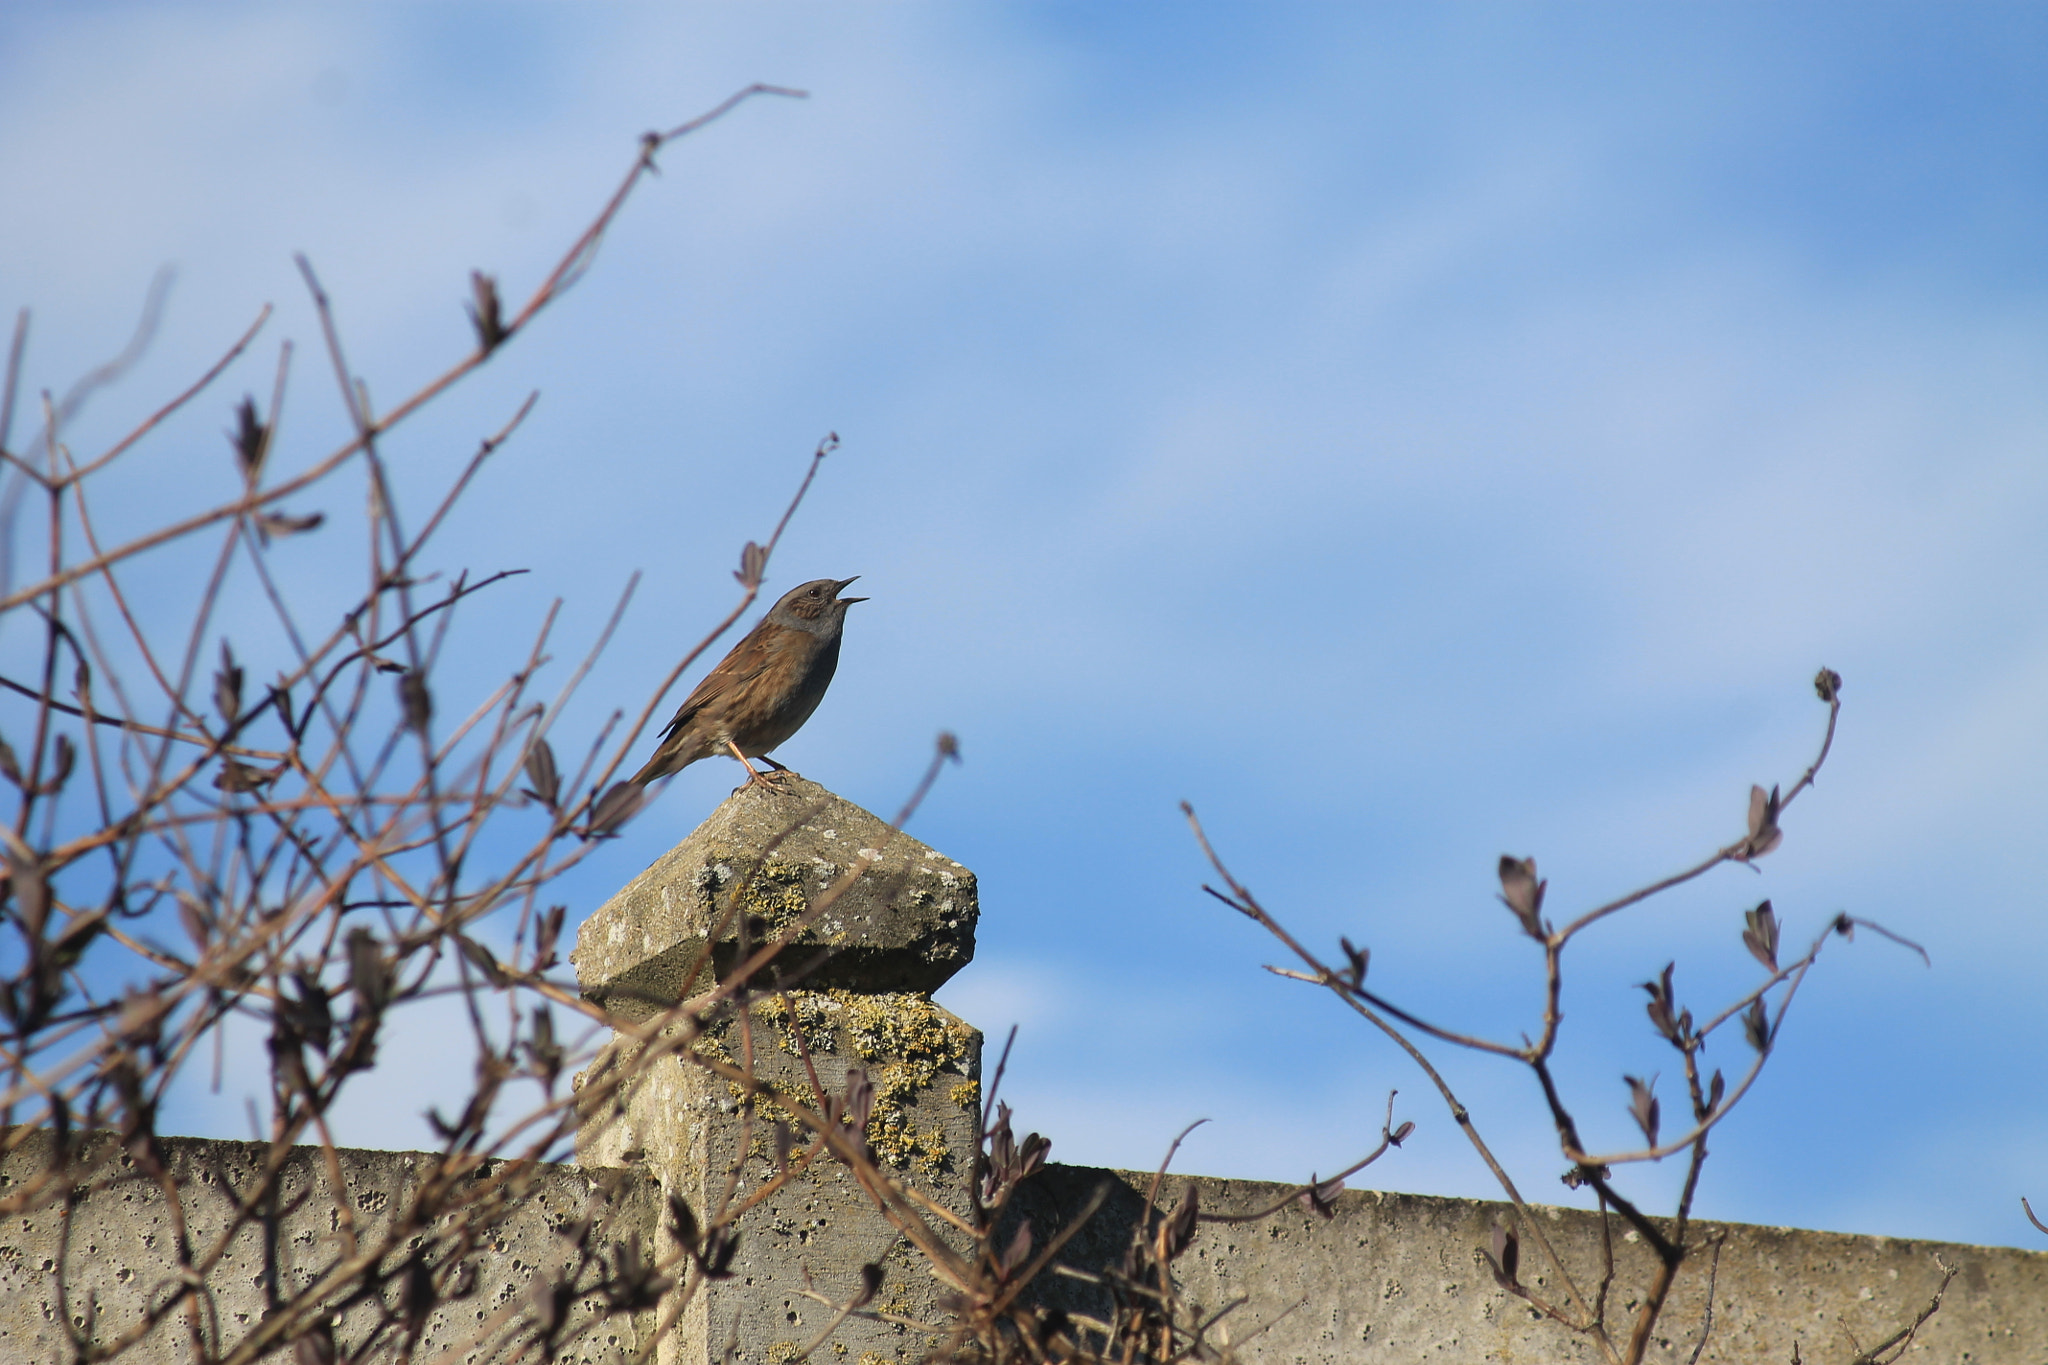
[{"x": 772, "y": 781}]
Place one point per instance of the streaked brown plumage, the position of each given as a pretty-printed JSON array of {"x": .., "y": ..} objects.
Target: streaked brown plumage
[{"x": 762, "y": 692}]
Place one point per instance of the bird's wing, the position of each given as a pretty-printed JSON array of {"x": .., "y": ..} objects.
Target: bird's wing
[{"x": 748, "y": 658}]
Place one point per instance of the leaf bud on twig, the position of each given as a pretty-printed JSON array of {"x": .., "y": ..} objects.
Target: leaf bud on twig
[
  {"x": 1504, "y": 1256},
  {"x": 1760, "y": 935},
  {"x": 1522, "y": 892},
  {"x": 486, "y": 315},
  {"x": 1764, "y": 834},
  {"x": 250, "y": 438},
  {"x": 1642, "y": 1106},
  {"x": 1756, "y": 1026}
]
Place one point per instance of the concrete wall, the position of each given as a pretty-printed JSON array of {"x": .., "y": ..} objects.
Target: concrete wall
[
  {"x": 1390, "y": 1278},
  {"x": 109, "y": 1249},
  {"x": 1399, "y": 1278}
]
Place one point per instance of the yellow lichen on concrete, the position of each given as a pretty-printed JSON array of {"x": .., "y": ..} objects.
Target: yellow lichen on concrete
[
  {"x": 905, "y": 1041},
  {"x": 967, "y": 1094},
  {"x": 772, "y": 892},
  {"x": 912, "y": 1041},
  {"x": 816, "y": 1016}
]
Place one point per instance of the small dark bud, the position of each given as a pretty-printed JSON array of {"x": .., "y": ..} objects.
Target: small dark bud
[
  {"x": 1031, "y": 1154},
  {"x": 275, "y": 525},
  {"x": 486, "y": 315},
  {"x": 417, "y": 1295},
  {"x": 227, "y": 686},
  {"x": 1505, "y": 1255},
  {"x": 541, "y": 772},
  {"x": 1828, "y": 684},
  {"x": 417, "y": 701},
  {"x": 1660, "y": 1007},
  {"x": 719, "y": 1249},
  {"x": 1756, "y": 1026},
  {"x": 949, "y": 745},
  {"x": 369, "y": 974},
  {"x": 1179, "y": 1232},
  {"x": 1764, "y": 834},
  {"x": 682, "y": 1223},
  {"x": 870, "y": 1285},
  {"x": 30, "y": 891},
  {"x": 315, "y": 1020},
  {"x": 76, "y": 938},
  {"x": 250, "y": 437},
  {"x": 860, "y": 1098},
  {"x": 1356, "y": 961},
  {"x": 548, "y": 1300},
  {"x": 281, "y": 697},
  {"x": 1019, "y": 1249},
  {"x": 753, "y": 562},
  {"x": 1522, "y": 892},
  {"x": 1642, "y": 1106},
  {"x": 614, "y": 809},
  {"x": 237, "y": 776},
  {"x": 483, "y": 960},
  {"x": 542, "y": 1049},
  {"x": 1760, "y": 935},
  {"x": 1320, "y": 1197},
  {"x": 196, "y": 927},
  {"x": 547, "y": 932}
]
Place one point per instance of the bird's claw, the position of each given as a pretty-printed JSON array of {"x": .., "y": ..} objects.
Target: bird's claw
[{"x": 774, "y": 781}]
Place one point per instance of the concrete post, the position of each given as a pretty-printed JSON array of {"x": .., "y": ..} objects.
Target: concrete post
[{"x": 893, "y": 937}]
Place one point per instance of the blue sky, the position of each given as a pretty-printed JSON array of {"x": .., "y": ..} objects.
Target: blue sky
[{"x": 1411, "y": 433}]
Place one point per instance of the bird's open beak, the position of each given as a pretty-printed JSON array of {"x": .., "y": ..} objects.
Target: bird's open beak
[{"x": 842, "y": 588}]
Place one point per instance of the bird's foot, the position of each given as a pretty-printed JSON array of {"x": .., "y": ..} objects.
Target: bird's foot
[
  {"x": 755, "y": 777},
  {"x": 776, "y": 780}
]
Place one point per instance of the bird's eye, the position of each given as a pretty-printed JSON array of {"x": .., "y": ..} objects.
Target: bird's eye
[{"x": 814, "y": 592}]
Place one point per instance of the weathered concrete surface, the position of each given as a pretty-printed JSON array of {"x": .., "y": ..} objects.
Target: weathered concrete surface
[
  {"x": 1398, "y": 1278},
  {"x": 113, "y": 1248},
  {"x": 687, "y": 1128},
  {"x": 902, "y": 929},
  {"x": 755, "y": 865},
  {"x": 1391, "y": 1278}
]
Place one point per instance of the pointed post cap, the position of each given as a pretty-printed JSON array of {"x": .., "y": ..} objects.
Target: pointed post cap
[{"x": 764, "y": 858}]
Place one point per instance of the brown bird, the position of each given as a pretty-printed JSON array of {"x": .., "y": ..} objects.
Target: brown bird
[{"x": 762, "y": 692}]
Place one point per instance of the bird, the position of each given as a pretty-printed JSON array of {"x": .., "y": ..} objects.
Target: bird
[{"x": 764, "y": 690}]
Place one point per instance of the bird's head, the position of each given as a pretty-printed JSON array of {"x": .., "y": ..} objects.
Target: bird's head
[{"x": 808, "y": 605}]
